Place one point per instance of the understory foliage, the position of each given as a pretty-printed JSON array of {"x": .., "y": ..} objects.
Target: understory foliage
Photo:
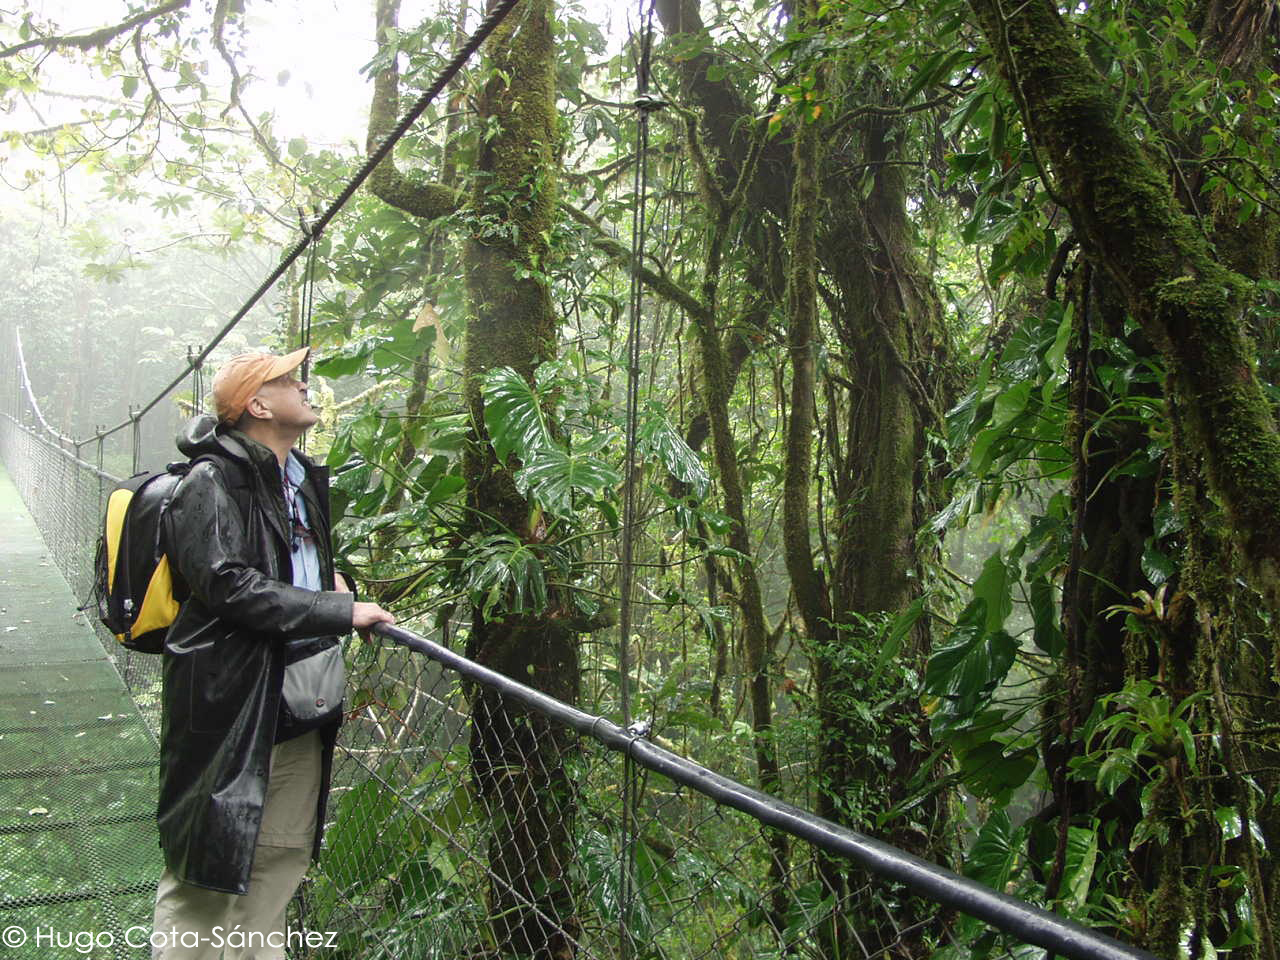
[{"x": 955, "y": 421}]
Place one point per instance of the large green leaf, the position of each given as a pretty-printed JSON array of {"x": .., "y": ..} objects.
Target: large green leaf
[
  {"x": 1044, "y": 613},
  {"x": 1082, "y": 856},
  {"x": 990, "y": 772},
  {"x": 901, "y": 625},
  {"x": 970, "y": 663},
  {"x": 659, "y": 439},
  {"x": 993, "y": 588},
  {"x": 503, "y": 574},
  {"x": 551, "y": 476},
  {"x": 351, "y": 359},
  {"x": 995, "y": 853},
  {"x": 513, "y": 415},
  {"x": 372, "y": 834}
]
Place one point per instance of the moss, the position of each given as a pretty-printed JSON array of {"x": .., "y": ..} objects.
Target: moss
[
  {"x": 1129, "y": 222},
  {"x": 428, "y": 200},
  {"x": 514, "y": 197}
]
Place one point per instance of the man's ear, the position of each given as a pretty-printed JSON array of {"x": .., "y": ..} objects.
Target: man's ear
[{"x": 257, "y": 408}]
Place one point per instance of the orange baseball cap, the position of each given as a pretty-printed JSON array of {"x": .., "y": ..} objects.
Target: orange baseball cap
[{"x": 241, "y": 377}]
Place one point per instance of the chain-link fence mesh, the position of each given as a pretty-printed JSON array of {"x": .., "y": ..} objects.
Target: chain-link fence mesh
[
  {"x": 473, "y": 818},
  {"x": 78, "y": 761},
  {"x": 66, "y": 496}
]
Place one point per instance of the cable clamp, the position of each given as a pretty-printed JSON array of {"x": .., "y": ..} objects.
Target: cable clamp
[
  {"x": 640, "y": 729},
  {"x": 308, "y": 227}
]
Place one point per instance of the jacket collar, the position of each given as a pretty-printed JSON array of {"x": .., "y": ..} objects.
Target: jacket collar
[{"x": 205, "y": 436}]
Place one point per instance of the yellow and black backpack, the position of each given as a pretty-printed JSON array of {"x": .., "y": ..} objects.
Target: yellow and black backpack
[{"x": 133, "y": 585}]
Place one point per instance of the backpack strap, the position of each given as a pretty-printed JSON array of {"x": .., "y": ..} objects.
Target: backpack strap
[{"x": 241, "y": 493}]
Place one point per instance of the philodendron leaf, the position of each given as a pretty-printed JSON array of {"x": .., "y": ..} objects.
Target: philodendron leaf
[
  {"x": 1044, "y": 614},
  {"x": 993, "y": 588},
  {"x": 995, "y": 855},
  {"x": 551, "y": 476},
  {"x": 990, "y": 769},
  {"x": 659, "y": 439},
  {"x": 965, "y": 669},
  {"x": 504, "y": 575},
  {"x": 513, "y": 415}
]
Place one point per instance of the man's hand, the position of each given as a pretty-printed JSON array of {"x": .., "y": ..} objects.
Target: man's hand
[{"x": 365, "y": 615}]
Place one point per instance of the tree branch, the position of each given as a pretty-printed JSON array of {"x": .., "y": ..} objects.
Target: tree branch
[
  {"x": 619, "y": 254},
  {"x": 233, "y": 97},
  {"x": 98, "y": 38},
  {"x": 387, "y": 183}
]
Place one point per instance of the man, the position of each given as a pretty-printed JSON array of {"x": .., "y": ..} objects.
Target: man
[{"x": 252, "y": 668}]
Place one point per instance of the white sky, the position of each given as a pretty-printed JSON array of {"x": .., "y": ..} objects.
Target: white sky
[
  {"x": 320, "y": 44},
  {"x": 305, "y": 57}
]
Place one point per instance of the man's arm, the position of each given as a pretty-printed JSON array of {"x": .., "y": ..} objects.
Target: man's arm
[{"x": 208, "y": 543}]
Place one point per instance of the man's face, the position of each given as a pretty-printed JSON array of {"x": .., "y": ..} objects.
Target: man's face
[{"x": 286, "y": 398}]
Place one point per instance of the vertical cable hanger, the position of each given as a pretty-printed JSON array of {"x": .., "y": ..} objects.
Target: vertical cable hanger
[
  {"x": 136, "y": 435},
  {"x": 308, "y": 302},
  {"x": 644, "y": 104},
  {"x": 308, "y": 294},
  {"x": 196, "y": 363}
]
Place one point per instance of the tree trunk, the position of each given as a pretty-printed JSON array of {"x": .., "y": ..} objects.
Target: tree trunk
[
  {"x": 887, "y": 323},
  {"x": 518, "y": 758},
  {"x": 757, "y": 642},
  {"x": 1183, "y": 292},
  {"x": 1187, "y": 301},
  {"x": 807, "y": 582}
]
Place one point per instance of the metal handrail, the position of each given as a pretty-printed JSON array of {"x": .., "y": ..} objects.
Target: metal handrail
[{"x": 1026, "y": 921}]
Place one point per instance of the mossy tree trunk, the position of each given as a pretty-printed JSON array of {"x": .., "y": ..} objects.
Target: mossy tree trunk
[
  {"x": 1128, "y": 222},
  {"x": 1112, "y": 514},
  {"x": 886, "y": 387},
  {"x": 887, "y": 346},
  {"x": 1177, "y": 278},
  {"x": 518, "y": 759}
]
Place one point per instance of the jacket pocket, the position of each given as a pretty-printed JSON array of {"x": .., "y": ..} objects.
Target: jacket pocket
[{"x": 314, "y": 683}]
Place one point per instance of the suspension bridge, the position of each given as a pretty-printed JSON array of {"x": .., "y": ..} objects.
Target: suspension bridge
[
  {"x": 603, "y": 846},
  {"x": 415, "y": 862}
]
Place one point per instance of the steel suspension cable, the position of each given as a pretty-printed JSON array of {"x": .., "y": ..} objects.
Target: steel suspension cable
[
  {"x": 304, "y": 325},
  {"x": 644, "y": 105},
  {"x": 490, "y": 23},
  {"x": 308, "y": 303}
]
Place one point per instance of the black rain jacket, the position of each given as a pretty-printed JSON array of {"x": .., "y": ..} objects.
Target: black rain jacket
[{"x": 226, "y": 534}]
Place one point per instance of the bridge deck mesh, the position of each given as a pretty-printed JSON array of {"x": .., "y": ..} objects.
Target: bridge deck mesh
[{"x": 78, "y": 849}]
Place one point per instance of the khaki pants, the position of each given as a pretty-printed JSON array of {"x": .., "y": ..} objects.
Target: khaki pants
[{"x": 192, "y": 923}]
